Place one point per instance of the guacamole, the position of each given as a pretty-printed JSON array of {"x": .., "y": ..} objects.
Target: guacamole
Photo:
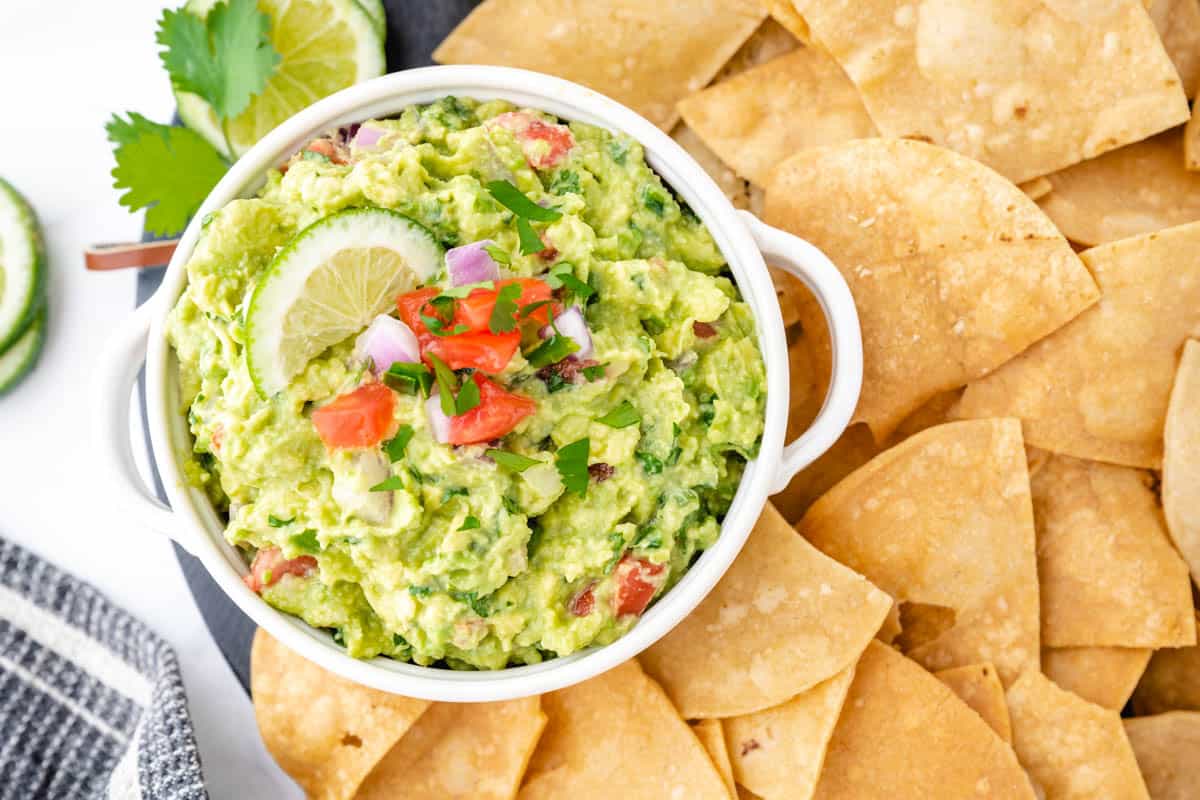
[{"x": 614, "y": 464}]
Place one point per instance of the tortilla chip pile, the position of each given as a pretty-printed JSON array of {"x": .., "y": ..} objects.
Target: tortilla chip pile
[{"x": 996, "y": 559}]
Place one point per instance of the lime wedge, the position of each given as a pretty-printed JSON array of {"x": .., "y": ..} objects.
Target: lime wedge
[
  {"x": 375, "y": 11},
  {"x": 22, "y": 265},
  {"x": 325, "y": 46},
  {"x": 19, "y": 358},
  {"x": 328, "y": 284}
]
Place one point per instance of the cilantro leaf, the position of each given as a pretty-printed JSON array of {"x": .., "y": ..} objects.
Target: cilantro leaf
[
  {"x": 468, "y": 398},
  {"x": 420, "y": 591},
  {"x": 514, "y": 461},
  {"x": 553, "y": 350},
  {"x": 504, "y": 313},
  {"x": 572, "y": 462},
  {"x": 622, "y": 416},
  {"x": 392, "y": 484},
  {"x": 651, "y": 463},
  {"x": 595, "y": 372},
  {"x": 306, "y": 541},
  {"x": 531, "y": 243},
  {"x": 394, "y": 447},
  {"x": 276, "y": 522},
  {"x": 498, "y": 254},
  {"x": 562, "y": 276},
  {"x": 443, "y": 314},
  {"x": 225, "y": 58},
  {"x": 515, "y": 201},
  {"x": 478, "y": 604},
  {"x": 532, "y": 308},
  {"x": 167, "y": 170},
  {"x": 447, "y": 383},
  {"x": 470, "y": 524}
]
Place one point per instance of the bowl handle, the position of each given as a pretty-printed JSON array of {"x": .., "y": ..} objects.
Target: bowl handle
[
  {"x": 121, "y": 360},
  {"x": 810, "y": 265}
]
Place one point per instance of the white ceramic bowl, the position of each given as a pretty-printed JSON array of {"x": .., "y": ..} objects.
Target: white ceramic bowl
[{"x": 743, "y": 239}]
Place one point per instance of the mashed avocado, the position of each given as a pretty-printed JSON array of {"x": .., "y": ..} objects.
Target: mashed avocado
[{"x": 468, "y": 562}]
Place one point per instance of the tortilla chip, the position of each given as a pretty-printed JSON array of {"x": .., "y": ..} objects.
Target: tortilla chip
[
  {"x": 979, "y": 687},
  {"x": 460, "y": 750},
  {"x": 1167, "y": 747},
  {"x": 1071, "y": 748},
  {"x": 770, "y": 41},
  {"x": 855, "y": 447},
  {"x": 1037, "y": 188},
  {"x": 1140, "y": 188},
  {"x": 1098, "y": 388},
  {"x": 712, "y": 737},
  {"x": 1181, "y": 459},
  {"x": 1025, "y": 86},
  {"x": 1191, "y": 141},
  {"x": 783, "y": 12},
  {"x": 1171, "y": 682},
  {"x": 1101, "y": 675},
  {"x": 598, "y": 728},
  {"x": 890, "y": 629},
  {"x": 646, "y": 55},
  {"x": 784, "y": 617},
  {"x": 1108, "y": 574},
  {"x": 735, "y": 188},
  {"x": 323, "y": 730},
  {"x": 761, "y": 117},
  {"x": 1178, "y": 24},
  {"x": 954, "y": 270},
  {"x": 745, "y": 794},
  {"x": 944, "y": 521},
  {"x": 779, "y": 752},
  {"x": 903, "y": 734}
]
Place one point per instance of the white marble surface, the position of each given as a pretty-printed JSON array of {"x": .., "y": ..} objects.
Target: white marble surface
[{"x": 64, "y": 68}]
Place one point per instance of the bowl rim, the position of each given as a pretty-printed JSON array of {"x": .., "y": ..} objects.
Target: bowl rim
[{"x": 385, "y": 96}]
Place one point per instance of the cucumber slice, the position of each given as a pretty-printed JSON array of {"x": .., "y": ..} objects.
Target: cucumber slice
[
  {"x": 22, "y": 265},
  {"x": 19, "y": 359},
  {"x": 328, "y": 283}
]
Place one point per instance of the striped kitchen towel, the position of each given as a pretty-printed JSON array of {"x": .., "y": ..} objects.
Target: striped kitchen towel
[{"x": 91, "y": 701}]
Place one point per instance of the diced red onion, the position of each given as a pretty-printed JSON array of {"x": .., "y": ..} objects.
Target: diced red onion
[
  {"x": 386, "y": 341},
  {"x": 367, "y": 137},
  {"x": 571, "y": 324},
  {"x": 471, "y": 263},
  {"x": 438, "y": 419}
]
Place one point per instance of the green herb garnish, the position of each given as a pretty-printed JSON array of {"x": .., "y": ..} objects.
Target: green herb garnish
[
  {"x": 504, "y": 313},
  {"x": 517, "y": 202},
  {"x": 470, "y": 524},
  {"x": 531, "y": 243},
  {"x": 443, "y": 315},
  {"x": 651, "y": 463},
  {"x": 553, "y": 350},
  {"x": 622, "y": 416},
  {"x": 408, "y": 378},
  {"x": 562, "y": 276},
  {"x": 595, "y": 372},
  {"x": 513, "y": 461},
  {"x": 478, "y": 604},
  {"x": 395, "y": 446},
  {"x": 447, "y": 383},
  {"x": 468, "y": 398},
  {"x": 392, "y": 484},
  {"x": 420, "y": 591},
  {"x": 306, "y": 541},
  {"x": 572, "y": 462},
  {"x": 498, "y": 254},
  {"x": 276, "y": 522}
]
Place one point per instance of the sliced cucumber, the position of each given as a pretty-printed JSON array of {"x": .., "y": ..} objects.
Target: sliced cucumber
[
  {"x": 328, "y": 284},
  {"x": 22, "y": 265},
  {"x": 19, "y": 358}
]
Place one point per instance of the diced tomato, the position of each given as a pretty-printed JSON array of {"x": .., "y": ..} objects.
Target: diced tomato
[
  {"x": 327, "y": 148},
  {"x": 544, "y": 143},
  {"x": 411, "y": 305},
  {"x": 218, "y": 435},
  {"x": 488, "y": 352},
  {"x": 497, "y": 414},
  {"x": 637, "y": 581},
  {"x": 362, "y": 418},
  {"x": 475, "y": 310},
  {"x": 269, "y": 566},
  {"x": 583, "y": 602},
  {"x": 703, "y": 330}
]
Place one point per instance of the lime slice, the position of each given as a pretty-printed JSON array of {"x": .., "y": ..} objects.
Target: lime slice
[
  {"x": 325, "y": 45},
  {"x": 20, "y": 357},
  {"x": 22, "y": 265},
  {"x": 375, "y": 11},
  {"x": 328, "y": 284}
]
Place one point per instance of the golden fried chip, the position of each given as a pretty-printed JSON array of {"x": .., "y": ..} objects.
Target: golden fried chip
[
  {"x": 1167, "y": 747},
  {"x": 979, "y": 687},
  {"x": 1178, "y": 23},
  {"x": 471, "y": 751},
  {"x": 618, "y": 735},
  {"x": 954, "y": 270},
  {"x": 712, "y": 737},
  {"x": 1109, "y": 576},
  {"x": 1101, "y": 675},
  {"x": 855, "y": 447},
  {"x": 646, "y": 55},
  {"x": 778, "y": 752},
  {"x": 1037, "y": 188},
  {"x": 736, "y": 188},
  {"x": 1191, "y": 141},
  {"x": 745, "y": 794},
  {"x": 1181, "y": 459},
  {"x": 323, "y": 730},
  {"x": 1171, "y": 682},
  {"x": 1025, "y": 86},
  {"x": 890, "y": 629},
  {"x": 1139, "y": 188},
  {"x": 1072, "y": 749},
  {"x": 943, "y": 522},
  {"x": 770, "y": 41},
  {"x": 784, "y": 617},
  {"x": 759, "y": 118},
  {"x": 783, "y": 12},
  {"x": 903, "y": 735},
  {"x": 1098, "y": 388}
]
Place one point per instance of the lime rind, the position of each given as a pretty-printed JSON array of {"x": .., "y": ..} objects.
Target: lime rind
[
  {"x": 378, "y": 15},
  {"x": 328, "y": 283},
  {"x": 22, "y": 265},
  {"x": 22, "y": 355}
]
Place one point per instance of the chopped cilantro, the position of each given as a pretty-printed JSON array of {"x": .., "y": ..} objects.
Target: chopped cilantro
[
  {"x": 498, "y": 254},
  {"x": 454, "y": 491},
  {"x": 443, "y": 315},
  {"x": 504, "y": 313},
  {"x": 622, "y": 416},
  {"x": 618, "y": 149},
  {"x": 468, "y": 398},
  {"x": 420, "y": 591},
  {"x": 276, "y": 522},
  {"x": 572, "y": 462},
  {"x": 447, "y": 383},
  {"x": 408, "y": 378},
  {"x": 513, "y": 461},
  {"x": 595, "y": 372},
  {"x": 555, "y": 382},
  {"x": 392, "y": 484},
  {"x": 532, "y": 308},
  {"x": 565, "y": 181},
  {"x": 654, "y": 326},
  {"x": 395, "y": 446},
  {"x": 617, "y": 542},
  {"x": 531, "y": 243},
  {"x": 478, "y": 604},
  {"x": 553, "y": 350},
  {"x": 306, "y": 541},
  {"x": 654, "y": 200},
  {"x": 652, "y": 464},
  {"x": 470, "y": 524},
  {"x": 562, "y": 276},
  {"x": 515, "y": 201}
]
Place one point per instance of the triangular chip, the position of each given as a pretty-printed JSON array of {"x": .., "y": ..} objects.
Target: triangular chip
[
  {"x": 1025, "y": 86},
  {"x": 1181, "y": 459},
  {"x": 954, "y": 270},
  {"x": 943, "y": 522},
  {"x": 778, "y": 752},
  {"x": 979, "y": 686},
  {"x": 460, "y": 751},
  {"x": 1037, "y": 188},
  {"x": 855, "y": 447},
  {"x": 784, "y": 618},
  {"x": 1178, "y": 23},
  {"x": 1140, "y": 188},
  {"x": 1171, "y": 682},
  {"x": 783, "y": 12},
  {"x": 768, "y": 42},
  {"x": 1167, "y": 747},
  {"x": 646, "y": 55},
  {"x": 1101, "y": 675},
  {"x": 1072, "y": 749},
  {"x": 1191, "y": 141},
  {"x": 618, "y": 735},
  {"x": 1098, "y": 388},
  {"x": 712, "y": 737},
  {"x": 752, "y": 122},
  {"x": 1109, "y": 576},
  {"x": 903, "y": 735},
  {"x": 323, "y": 730},
  {"x": 734, "y": 187}
]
